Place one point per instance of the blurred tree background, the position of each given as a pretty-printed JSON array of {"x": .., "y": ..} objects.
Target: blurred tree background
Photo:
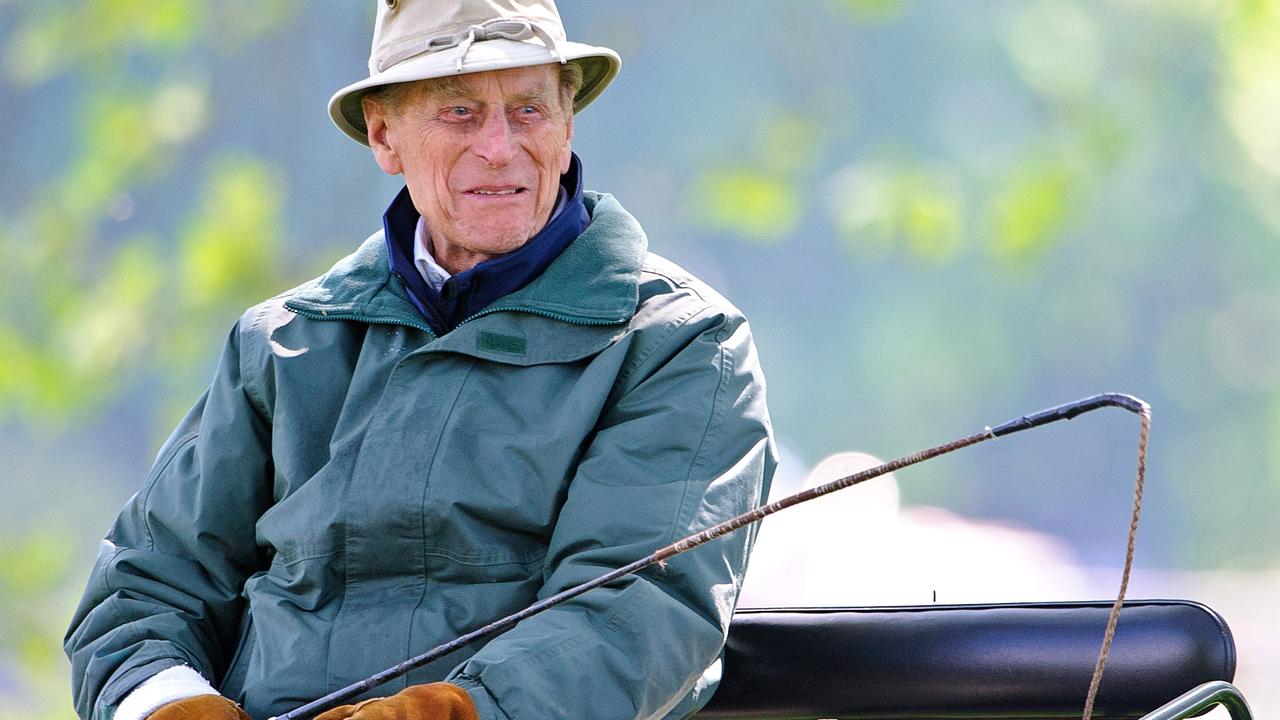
[{"x": 939, "y": 214}]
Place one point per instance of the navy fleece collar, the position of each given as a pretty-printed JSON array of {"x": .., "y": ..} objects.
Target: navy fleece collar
[{"x": 470, "y": 291}]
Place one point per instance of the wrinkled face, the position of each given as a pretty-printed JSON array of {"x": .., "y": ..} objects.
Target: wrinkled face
[{"x": 481, "y": 154}]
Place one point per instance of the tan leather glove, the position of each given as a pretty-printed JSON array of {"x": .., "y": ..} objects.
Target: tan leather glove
[
  {"x": 437, "y": 701},
  {"x": 200, "y": 707}
]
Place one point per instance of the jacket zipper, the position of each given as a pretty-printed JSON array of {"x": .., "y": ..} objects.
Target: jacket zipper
[
  {"x": 543, "y": 313},
  {"x": 324, "y": 315}
]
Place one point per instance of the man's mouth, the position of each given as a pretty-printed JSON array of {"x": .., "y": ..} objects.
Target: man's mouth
[{"x": 496, "y": 191}]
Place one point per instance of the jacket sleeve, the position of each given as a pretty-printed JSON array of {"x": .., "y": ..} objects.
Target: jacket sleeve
[
  {"x": 165, "y": 589},
  {"x": 685, "y": 444}
]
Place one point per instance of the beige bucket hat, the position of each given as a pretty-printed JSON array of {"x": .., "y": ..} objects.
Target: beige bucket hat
[{"x": 421, "y": 39}]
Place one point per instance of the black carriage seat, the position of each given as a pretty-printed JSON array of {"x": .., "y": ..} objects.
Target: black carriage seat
[{"x": 1025, "y": 660}]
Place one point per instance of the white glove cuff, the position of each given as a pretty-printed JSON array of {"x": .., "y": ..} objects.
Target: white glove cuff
[{"x": 164, "y": 687}]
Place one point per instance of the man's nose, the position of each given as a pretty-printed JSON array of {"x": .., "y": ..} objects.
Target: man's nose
[{"x": 496, "y": 144}]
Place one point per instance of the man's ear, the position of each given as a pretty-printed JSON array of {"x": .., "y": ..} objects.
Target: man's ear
[{"x": 376, "y": 119}]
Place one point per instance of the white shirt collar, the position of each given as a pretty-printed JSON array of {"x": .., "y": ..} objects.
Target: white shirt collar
[{"x": 428, "y": 268}]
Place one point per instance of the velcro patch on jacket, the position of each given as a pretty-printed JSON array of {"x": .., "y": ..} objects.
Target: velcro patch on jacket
[{"x": 496, "y": 342}]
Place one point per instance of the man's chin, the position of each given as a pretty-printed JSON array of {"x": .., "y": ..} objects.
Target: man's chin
[{"x": 489, "y": 242}]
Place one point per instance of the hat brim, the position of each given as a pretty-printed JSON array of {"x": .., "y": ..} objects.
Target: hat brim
[{"x": 599, "y": 66}]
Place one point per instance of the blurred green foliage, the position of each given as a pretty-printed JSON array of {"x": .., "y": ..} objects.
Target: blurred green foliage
[
  {"x": 87, "y": 305},
  {"x": 880, "y": 207},
  {"x": 31, "y": 567},
  {"x": 933, "y": 212},
  {"x": 90, "y": 305},
  {"x": 757, "y": 205},
  {"x": 759, "y": 202},
  {"x": 1030, "y": 212}
]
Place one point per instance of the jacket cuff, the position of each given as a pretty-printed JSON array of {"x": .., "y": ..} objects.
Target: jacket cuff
[
  {"x": 486, "y": 707},
  {"x": 164, "y": 687}
]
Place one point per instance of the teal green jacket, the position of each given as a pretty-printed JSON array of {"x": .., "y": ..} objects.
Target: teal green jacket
[{"x": 353, "y": 490}]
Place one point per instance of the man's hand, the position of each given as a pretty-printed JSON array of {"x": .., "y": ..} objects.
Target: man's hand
[
  {"x": 200, "y": 707},
  {"x": 436, "y": 701}
]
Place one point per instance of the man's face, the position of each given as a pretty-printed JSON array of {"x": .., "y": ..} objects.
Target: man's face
[{"x": 482, "y": 156}]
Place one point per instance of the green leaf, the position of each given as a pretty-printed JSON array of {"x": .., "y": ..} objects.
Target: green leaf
[
  {"x": 1028, "y": 214},
  {"x": 110, "y": 327},
  {"x": 872, "y": 10},
  {"x": 1251, "y": 92},
  {"x": 761, "y": 207},
  {"x": 229, "y": 250},
  {"x": 879, "y": 207}
]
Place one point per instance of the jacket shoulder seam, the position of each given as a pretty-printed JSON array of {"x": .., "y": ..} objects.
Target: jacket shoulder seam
[
  {"x": 162, "y": 464},
  {"x": 676, "y": 282},
  {"x": 723, "y": 361},
  {"x": 250, "y": 375},
  {"x": 674, "y": 326}
]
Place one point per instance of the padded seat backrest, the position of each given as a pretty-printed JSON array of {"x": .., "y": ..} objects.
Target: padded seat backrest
[{"x": 1027, "y": 660}]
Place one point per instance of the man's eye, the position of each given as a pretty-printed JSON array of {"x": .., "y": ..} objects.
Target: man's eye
[
  {"x": 459, "y": 111},
  {"x": 528, "y": 110}
]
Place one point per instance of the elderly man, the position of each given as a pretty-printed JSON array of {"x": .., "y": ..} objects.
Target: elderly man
[{"x": 499, "y": 396}]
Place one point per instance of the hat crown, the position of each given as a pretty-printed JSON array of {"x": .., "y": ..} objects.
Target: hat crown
[
  {"x": 423, "y": 39},
  {"x": 406, "y": 28}
]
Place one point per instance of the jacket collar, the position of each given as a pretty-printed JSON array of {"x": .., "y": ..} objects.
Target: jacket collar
[{"x": 590, "y": 288}]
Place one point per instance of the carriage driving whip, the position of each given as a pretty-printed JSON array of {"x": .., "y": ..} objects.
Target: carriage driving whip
[{"x": 1026, "y": 422}]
